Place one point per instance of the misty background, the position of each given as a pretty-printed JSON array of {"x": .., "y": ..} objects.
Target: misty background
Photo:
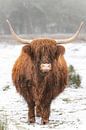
[{"x": 42, "y": 16}]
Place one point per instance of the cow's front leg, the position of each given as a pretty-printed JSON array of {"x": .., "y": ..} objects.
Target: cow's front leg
[
  {"x": 31, "y": 113},
  {"x": 45, "y": 114}
]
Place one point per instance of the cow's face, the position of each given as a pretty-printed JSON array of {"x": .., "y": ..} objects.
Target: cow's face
[
  {"x": 47, "y": 55},
  {"x": 43, "y": 55}
]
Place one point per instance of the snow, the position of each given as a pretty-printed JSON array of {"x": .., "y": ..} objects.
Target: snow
[{"x": 68, "y": 111}]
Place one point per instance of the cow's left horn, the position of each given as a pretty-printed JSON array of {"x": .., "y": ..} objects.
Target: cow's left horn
[
  {"x": 72, "y": 38},
  {"x": 16, "y": 37}
]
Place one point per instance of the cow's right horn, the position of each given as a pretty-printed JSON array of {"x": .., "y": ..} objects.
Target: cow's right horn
[
  {"x": 72, "y": 38},
  {"x": 16, "y": 37}
]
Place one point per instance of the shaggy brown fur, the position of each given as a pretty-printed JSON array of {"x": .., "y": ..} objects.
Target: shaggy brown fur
[{"x": 37, "y": 88}]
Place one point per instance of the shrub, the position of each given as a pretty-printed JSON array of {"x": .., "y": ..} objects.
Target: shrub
[{"x": 74, "y": 78}]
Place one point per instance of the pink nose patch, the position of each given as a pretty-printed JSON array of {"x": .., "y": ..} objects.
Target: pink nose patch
[{"x": 45, "y": 67}]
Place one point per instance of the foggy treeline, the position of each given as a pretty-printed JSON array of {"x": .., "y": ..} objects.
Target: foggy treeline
[{"x": 42, "y": 16}]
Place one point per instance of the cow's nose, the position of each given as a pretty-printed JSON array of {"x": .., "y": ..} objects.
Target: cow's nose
[{"x": 45, "y": 67}]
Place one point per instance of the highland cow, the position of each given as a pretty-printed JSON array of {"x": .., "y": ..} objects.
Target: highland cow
[{"x": 40, "y": 73}]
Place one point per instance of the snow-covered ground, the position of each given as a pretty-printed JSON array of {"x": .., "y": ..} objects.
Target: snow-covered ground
[{"x": 68, "y": 111}]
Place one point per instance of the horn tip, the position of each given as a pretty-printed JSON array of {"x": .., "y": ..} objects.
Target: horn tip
[{"x": 7, "y": 21}]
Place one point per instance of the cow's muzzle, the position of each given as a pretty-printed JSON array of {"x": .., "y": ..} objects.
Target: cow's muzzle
[{"x": 45, "y": 67}]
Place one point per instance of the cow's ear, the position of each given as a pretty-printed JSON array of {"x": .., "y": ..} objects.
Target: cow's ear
[
  {"x": 60, "y": 50},
  {"x": 27, "y": 49}
]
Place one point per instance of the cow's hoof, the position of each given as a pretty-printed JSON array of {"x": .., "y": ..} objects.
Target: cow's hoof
[
  {"x": 32, "y": 120},
  {"x": 44, "y": 122}
]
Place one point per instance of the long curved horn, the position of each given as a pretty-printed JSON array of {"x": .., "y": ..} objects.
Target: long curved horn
[
  {"x": 16, "y": 37},
  {"x": 72, "y": 38}
]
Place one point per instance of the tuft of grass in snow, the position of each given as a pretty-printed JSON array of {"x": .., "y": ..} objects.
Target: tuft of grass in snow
[
  {"x": 3, "y": 120},
  {"x": 3, "y": 125},
  {"x": 6, "y": 88},
  {"x": 67, "y": 100},
  {"x": 74, "y": 78}
]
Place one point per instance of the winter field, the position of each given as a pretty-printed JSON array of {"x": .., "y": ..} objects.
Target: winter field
[{"x": 68, "y": 111}]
